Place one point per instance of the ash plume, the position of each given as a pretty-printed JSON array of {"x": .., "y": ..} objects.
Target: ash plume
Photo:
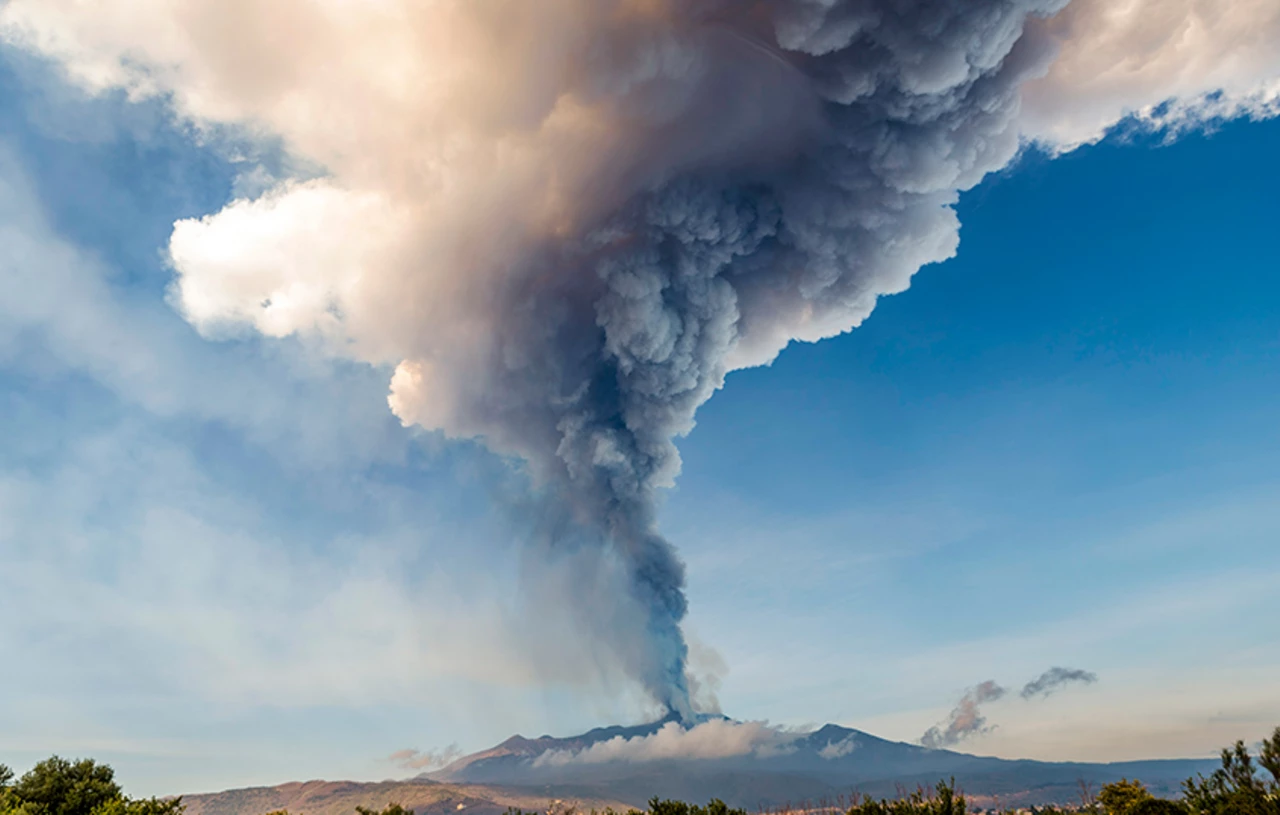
[
  {"x": 710, "y": 739},
  {"x": 429, "y": 760},
  {"x": 1054, "y": 679},
  {"x": 559, "y": 225},
  {"x": 966, "y": 717}
]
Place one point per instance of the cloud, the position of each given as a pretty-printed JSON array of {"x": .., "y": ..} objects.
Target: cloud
[
  {"x": 716, "y": 738},
  {"x": 1055, "y": 679},
  {"x": 430, "y": 760},
  {"x": 966, "y": 717},
  {"x": 1169, "y": 64}
]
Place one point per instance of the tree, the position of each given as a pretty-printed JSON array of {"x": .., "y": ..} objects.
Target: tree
[
  {"x": 1123, "y": 797},
  {"x": 57, "y": 786},
  {"x": 715, "y": 807},
  {"x": 1159, "y": 806},
  {"x": 1236, "y": 788},
  {"x": 390, "y": 809},
  {"x": 942, "y": 800},
  {"x": 1269, "y": 758},
  {"x": 143, "y": 806}
]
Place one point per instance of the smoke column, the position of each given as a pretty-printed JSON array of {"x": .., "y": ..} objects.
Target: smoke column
[
  {"x": 966, "y": 717},
  {"x": 561, "y": 224}
]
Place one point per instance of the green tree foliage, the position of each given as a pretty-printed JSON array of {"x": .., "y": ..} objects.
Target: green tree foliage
[
  {"x": 57, "y": 786},
  {"x": 1269, "y": 758},
  {"x": 142, "y": 806},
  {"x": 7, "y": 803},
  {"x": 389, "y": 809},
  {"x": 942, "y": 800},
  {"x": 715, "y": 807},
  {"x": 1123, "y": 797},
  {"x": 1237, "y": 787}
]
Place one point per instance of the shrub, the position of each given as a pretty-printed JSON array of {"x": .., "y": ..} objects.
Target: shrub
[{"x": 1123, "y": 797}]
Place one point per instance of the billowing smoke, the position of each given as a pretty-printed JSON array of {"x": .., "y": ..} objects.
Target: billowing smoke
[
  {"x": 425, "y": 760},
  {"x": 1054, "y": 679},
  {"x": 839, "y": 749},
  {"x": 1167, "y": 64},
  {"x": 966, "y": 718},
  {"x": 711, "y": 739},
  {"x": 561, "y": 224}
]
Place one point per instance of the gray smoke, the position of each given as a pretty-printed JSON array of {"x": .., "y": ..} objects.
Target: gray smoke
[
  {"x": 966, "y": 718},
  {"x": 1054, "y": 679},
  {"x": 721, "y": 265}
]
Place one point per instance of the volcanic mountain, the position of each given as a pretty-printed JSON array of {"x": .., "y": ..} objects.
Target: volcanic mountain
[
  {"x": 761, "y": 766},
  {"x": 746, "y": 765}
]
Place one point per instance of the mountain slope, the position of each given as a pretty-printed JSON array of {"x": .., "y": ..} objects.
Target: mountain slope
[{"x": 828, "y": 763}]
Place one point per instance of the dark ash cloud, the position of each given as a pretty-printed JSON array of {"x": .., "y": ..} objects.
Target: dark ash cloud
[{"x": 1055, "y": 679}]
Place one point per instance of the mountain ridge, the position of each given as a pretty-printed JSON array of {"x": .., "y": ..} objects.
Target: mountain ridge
[
  {"x": 827, "y": 764},
  {"x": 830, "y": 761}
]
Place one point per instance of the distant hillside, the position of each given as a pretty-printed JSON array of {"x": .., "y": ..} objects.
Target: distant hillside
[{"x": 341, "y": 798}]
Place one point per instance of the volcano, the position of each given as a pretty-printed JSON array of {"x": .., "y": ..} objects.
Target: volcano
[
  {"x": 763, "y": 769},
  {"x": 633, "y": 764}
]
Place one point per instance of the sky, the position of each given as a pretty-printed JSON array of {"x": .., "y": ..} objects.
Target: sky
[{"x": 226, "y": 562}]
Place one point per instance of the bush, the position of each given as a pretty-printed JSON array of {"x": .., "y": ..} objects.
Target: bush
[
  {"x": 1123, "y": 797},
  {"x": 389, "y": 809}
]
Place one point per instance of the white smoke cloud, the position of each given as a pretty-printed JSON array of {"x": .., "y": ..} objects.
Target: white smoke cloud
[
  {"x": 431, "y": 759},
  {"x": 712, "y": 739},
  {"x": 563, "y": 223},
  {"x": 839, "y": 749},
  {"x": 1171, "y": 64}
]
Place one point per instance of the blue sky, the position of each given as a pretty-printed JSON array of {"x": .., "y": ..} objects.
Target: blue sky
[{"x": 1057, "y": 448}]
